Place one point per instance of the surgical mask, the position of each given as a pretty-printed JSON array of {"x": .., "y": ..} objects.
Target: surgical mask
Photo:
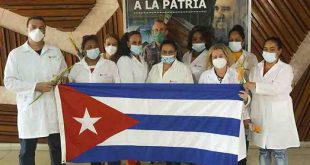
[
  {"x": 111, "y": 50},
  {"x": 269, "y": 57},
  {"x": 235, "y": 46},
  {"x": 93, "y": 53},
  {"x": 159, "y": 37},
  {"x": 199, "y": 47},
  {"x": 36, "y": 35},
  {"x": 136, "y": 50},
  {"x": 167, "y": 59},
  {"x": 219, "y": 63}
]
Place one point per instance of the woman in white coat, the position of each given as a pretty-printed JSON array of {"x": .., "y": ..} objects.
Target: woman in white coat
[
  {"x": 111, "y": 47},
  {"x": 243, "y": 61},
  {"x": 93, "y": 68},
  {"x": 199, "y": 41},
  {"x": 131, "y": 65},
  {"x": 221, "y": 73},
  {"x": 169, "y": 70},
  {"x": 271, "y": 107}
]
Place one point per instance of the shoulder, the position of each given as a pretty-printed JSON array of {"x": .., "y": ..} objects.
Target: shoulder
[
  {"x": 205, "y": 76},
  {"x": 17, "y": 51},
  {"x": 250, "y": 56},
  {"x": 285, "y": 65},
  {"x": 232, "y": 72},
  {"x": 123, "y": 59},
  {"x": 150, "y": 45},
  {"x": 156, "y": 66},
  {"x": 52, "y": 48},
  {"x": 186, "y": 54},
  {"x": 207, "y": 72},
  {"x": 108, "y": 63},
  {"x": 76, "y": 66},
  {"x": 181, "y": 65}
]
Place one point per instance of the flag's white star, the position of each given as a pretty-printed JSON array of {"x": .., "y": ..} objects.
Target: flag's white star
[{"x": 87, "y": 122}]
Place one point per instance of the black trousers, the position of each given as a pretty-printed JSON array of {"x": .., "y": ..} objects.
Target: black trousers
[{"x": 28, "y": 148}]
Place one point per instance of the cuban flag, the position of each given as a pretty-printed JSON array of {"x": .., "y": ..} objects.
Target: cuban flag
[{"x": 198, "y": 124}]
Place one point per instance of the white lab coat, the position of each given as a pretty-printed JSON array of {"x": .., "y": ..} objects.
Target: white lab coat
[
  {"x": 209, "y": 77},
  {"x": 25, "y": 68},
  {"x": 272, "y": 107},
  {"x": 177, "y": 73},
  {"x": 198, "y": 66},
  {"x": 105, "y": 71},
  {"x": 131, "y": 70},
  {"x": 249, "y": 61}
]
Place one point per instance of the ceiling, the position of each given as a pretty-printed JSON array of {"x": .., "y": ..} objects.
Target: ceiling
[{"x": 64, "y": 15}]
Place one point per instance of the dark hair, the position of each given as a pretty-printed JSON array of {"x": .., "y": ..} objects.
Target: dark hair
[
  {"x": 124, "y": 49},
  {"x": 206, "y": 32},
  {"x": 174, "y": 44},
  {"x": 89, "y": 38},
  {"x": 276, "y": 40},
  {"x": 116, "y": 56},
  {"x": 159, "y": 21},
  {"x": 239, "y": 29},
  {"x": 37, "y": 18},
  {"x": 169, "y": 42}
]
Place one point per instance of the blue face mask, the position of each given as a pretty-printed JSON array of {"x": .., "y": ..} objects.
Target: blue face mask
[
  {"x": 199, "y": 47},
  {"x": 136, "y": 50},
  {"x": 93, "y": 53},
  {"x": 167, "y": 59}
]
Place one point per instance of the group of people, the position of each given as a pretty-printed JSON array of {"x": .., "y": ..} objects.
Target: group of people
[{"x": 267, "y": 84}]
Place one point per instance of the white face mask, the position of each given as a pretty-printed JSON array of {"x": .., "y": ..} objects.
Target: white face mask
[
  {"x": 111, "y": 50},
  {"x": 36, "y": 35},
  {"x": 269, "y": 57},
  {"x": 235, "y": 46},
  {"x": 199, "y": 47},
  {"x": 219, "y": 63},
  {"x": 93, "y": 53}
]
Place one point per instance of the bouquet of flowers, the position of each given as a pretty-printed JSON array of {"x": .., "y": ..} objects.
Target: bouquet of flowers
[
  {"x": 255, "y": 128},
  {"x": 55, "y": 80}
]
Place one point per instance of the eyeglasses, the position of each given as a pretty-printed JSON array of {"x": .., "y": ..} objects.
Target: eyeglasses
[{"x": 171, "y": 52}]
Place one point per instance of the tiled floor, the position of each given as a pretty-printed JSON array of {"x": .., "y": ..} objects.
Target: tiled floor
[{"x": 9, "y": 155}]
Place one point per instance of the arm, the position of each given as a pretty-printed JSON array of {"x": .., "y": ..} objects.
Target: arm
[
  {"x": 12, "y": 79},
  {"x": 63, "y": 66},
  {"x": 281, "y": 84}
]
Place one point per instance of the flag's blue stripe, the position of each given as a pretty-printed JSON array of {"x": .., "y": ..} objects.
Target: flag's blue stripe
[
  {"x": 161, "y": 91},
  {"x": 217, "y": 125},
  {"x": 153, "y": 153}
]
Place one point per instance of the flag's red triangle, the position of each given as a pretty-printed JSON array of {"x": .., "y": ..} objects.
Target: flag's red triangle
[{"x": 74, "y": 104}]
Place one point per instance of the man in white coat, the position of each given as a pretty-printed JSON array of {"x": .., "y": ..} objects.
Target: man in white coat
[{"x": 28, "y": 72}]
